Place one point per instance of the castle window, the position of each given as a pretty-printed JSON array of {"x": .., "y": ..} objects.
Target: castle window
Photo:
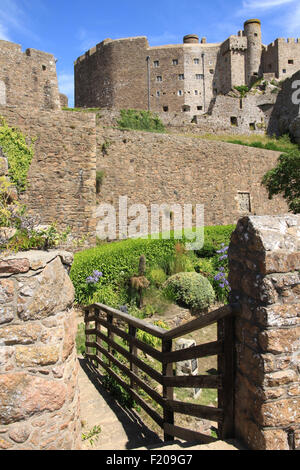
[
  {"x": 159, "y": 78},
  {"x": 180, "y": 92},
  {"x": 156, "y": 63},
  {"x": 291, "y": 61},
  {"x": 2, "y": 93},
  {"x": 165, "y": 109},
  {"x": 199, "y": 76},
  {"x": 244, "y": 202},
  {"x": 186, "y": 108},
  {"x": 284, "y": 71},
  {"x": 196, "y": 61},
  {"x": 175, "y": 62},
  {"x": 234, "y": 121},
  {"x": 181, "y": 76},
  {"x": 252, "y": 126},
  {"x": 196, "y": 92},
  {"x": 44, "y": 67},
  {"x": 212, "y": 71},
  {"x": 158, "y": 93},
  {"x": 199, "y": 108}
]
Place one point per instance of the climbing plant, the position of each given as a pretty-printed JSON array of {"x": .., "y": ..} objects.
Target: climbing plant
[{"x": 18, "y": 152}]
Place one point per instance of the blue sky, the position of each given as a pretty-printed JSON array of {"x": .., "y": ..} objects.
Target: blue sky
[{"x": 67, "y": 28}]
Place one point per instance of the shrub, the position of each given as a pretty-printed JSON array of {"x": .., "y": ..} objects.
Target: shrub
[
  {"x": 118, "y": 262},
  {"x": 140, "y": 120},
  {"x": 19, "y": 154},
  {"x": 190, "y": 290},
  {"x": 157, "y": 276}
]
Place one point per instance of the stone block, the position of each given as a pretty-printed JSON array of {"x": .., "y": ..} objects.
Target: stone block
[
  {"x": 14, "y": 266},
  {"x": 37, "y": 396},
  {"x": 20, "y": 334},
  {"x": 54, "y": 292},
  {"x": 28, "y": 356},
  {"x": 280, "y": 341}
]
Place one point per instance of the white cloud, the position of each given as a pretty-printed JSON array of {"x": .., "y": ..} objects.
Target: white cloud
[
  {"x": 293, "y": 21},
  {"x": 264, "y": 4},
  {"x": 3, "y": 33},
  {"x": 15, "y": 18}
]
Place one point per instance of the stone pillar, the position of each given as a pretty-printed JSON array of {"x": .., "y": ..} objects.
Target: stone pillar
[
  {"x": 39, "y": 398},
  {"x": 264, "y": 258}
]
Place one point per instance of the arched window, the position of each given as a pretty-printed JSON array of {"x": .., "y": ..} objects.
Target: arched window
[{"x": 2, "y": 93}]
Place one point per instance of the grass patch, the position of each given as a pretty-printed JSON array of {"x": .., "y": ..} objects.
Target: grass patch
[
  {"x": 140, "y": 120},
  {"x": 278, "y": 144}
]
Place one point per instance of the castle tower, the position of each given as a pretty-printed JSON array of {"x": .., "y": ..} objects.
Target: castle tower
[{"x": 252, "y": 30}]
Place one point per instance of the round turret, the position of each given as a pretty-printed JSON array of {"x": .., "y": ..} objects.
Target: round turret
[
  {"x": 191, "y": 39},
  {"x": 252, "y": 30}
]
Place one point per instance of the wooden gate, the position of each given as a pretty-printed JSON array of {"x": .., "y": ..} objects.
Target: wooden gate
[{"x": 113, "y": 341}]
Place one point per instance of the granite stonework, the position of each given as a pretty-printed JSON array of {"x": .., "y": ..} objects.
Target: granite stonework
[
  {"x": 39, "y": 398},
  {"x": 264, "y": 261},
  {"x": 62, "y": 175}
]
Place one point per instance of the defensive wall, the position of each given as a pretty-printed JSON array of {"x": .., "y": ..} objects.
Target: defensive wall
[
  {"x": 27, "y": 79},
  {"x": 159, "y": 168},
  {"x": 62, "y": 175}
]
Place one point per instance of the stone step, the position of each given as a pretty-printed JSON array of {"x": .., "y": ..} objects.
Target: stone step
[{"x": 184, "y": 446}]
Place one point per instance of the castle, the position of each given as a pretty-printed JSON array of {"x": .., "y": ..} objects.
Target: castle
[
  {"x": 127, "y": 73},
  {"x": 152, "y": 168}
]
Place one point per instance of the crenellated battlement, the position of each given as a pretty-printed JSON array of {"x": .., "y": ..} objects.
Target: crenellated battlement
[{"x": 28, "y": 77}]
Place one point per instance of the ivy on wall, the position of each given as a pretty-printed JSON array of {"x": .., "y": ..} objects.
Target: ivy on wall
[{"x": 19, "y": 154}]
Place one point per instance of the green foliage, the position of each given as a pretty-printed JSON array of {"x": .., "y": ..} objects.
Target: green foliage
[
  {"x": 285, "y": 179},
  {"x": 42, "y": 239},
  {"x": 92, "y": 435},
  {"x": 99, "y": 180},
  {"x": 190, "y": 290},
  {"x": 19, "y": 154},
  {"x": 140, "y": 120},
  {"x": 243, "y": 90},
  {"x": 118, "y": 262},
  {"x": 157, "y": 276},
  {"x": 214, "y": 236},
  {"x": 278, "y": 144},
  {"x": 80, "y": 339}
]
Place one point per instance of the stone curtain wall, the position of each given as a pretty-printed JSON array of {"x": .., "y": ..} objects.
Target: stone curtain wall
[
  {"x": 62, "y": 176},
  {"x": 28, "y": 78},
  {"x": 157, "y": 168},
  {"x": 264, "y": 275},
  {"x": 39, "y": 401}
]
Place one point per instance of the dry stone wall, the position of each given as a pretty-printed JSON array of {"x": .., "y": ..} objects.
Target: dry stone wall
[
  {"x": 39, "y": 401},
  {"x": 264, "y": 261},
  {"x": 62, "y": 176}
]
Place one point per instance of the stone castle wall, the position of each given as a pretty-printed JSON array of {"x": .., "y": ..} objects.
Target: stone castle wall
[
  {"x": 39, "y": 400},
  {"x": 182, "y": 77},
  {"x": 157, "y": 168},
  {"x": 264, "y": 262},
  {"x": 62, "y": 175},
  {"x": 27, "y": 79}
]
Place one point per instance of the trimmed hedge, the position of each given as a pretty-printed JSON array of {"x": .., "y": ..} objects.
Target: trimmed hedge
[{"x": 119, "y": 261}]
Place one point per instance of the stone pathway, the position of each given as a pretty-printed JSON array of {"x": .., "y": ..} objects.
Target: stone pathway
[{"x": 120, "y": 429}]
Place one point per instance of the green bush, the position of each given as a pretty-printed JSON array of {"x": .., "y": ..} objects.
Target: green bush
[
  {"x": 157, "y": 276},
  {"x": 118, "y": 262},
  {"x": 19, "y": 154},
  {"x": 140, "y": 120},
  {"x": 190, "y": 290}
]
